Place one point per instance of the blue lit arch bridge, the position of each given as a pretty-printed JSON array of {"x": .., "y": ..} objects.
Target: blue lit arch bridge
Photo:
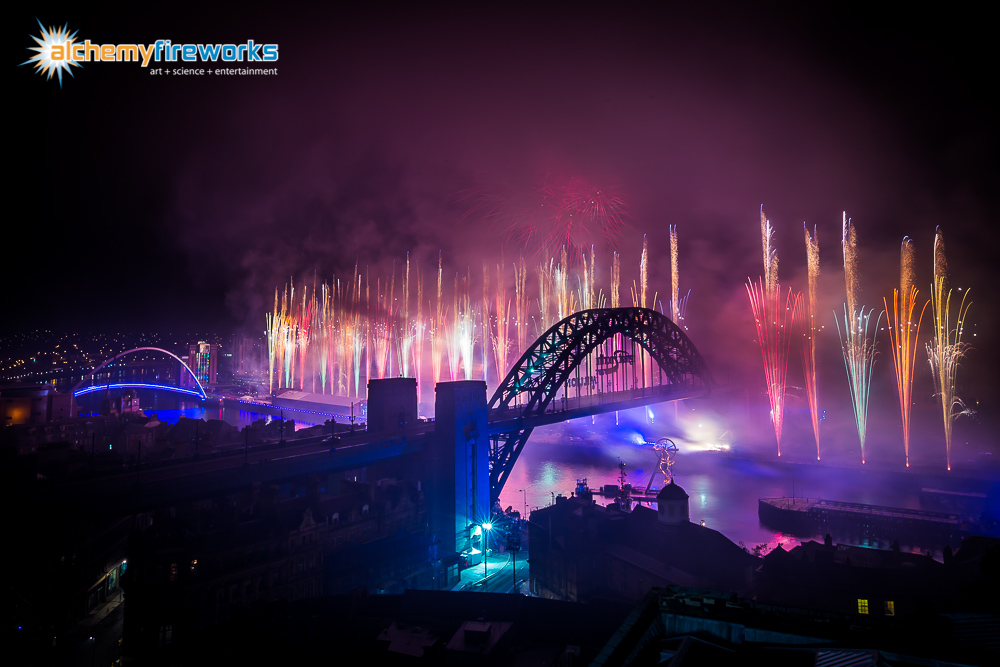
[
  {"x": 592, "y": 362},
  {"x": 142, "y": 368}
]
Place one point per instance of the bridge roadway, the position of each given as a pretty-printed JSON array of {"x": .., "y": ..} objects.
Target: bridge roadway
[
  {"x": 150, "y": 485},
  {"x": 574, "y": 407}
]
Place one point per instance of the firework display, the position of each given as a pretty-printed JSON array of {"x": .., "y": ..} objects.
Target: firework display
[
  {"x": 330, "y": 338},
  {"x": 333, "y": 337},
  {"x": 644, "y": 273},
  {"x": 438, "y": 327},
  {"x": 773, "y": 315},
  {"x": 808, "y": 330},
  {"x": 616, "y": 281},
  {"x": 857, "y": 338},
  {"x": 521, "y": 304},
  {"x": 903, "y": 335},
  {"x": 678, "y": 304},
  {"x": 946, "y": 349},
  {"x": 858, "y": 344},
  {"x": 674, "y": 278},
  {"x": 558, "y": 213},
  {"x": 500, "y": 331}
]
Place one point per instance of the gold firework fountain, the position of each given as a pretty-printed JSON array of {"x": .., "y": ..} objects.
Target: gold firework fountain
[
  {"x": 644, "y": 273},
  {"x": 903, "y": 334},
  {"x": 946, "y": 350}
]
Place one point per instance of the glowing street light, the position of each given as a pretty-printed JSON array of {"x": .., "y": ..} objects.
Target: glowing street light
[{"x": 487, "y": 527}]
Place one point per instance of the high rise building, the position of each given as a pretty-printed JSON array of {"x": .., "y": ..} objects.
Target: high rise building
[{"x": 202, "y": 359}]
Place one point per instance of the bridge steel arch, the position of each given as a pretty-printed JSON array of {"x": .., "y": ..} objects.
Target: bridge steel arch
[
  {"x": 535, "y": 380},
  {"x": 90, "y": 375}
]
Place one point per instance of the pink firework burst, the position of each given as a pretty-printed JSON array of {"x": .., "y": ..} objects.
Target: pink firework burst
[
  {"x": 569, "y": 213},
  {"x": 577, "y": 214}
]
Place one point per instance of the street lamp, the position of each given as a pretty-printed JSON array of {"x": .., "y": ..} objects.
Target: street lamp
[{"x": 487, "y": 527}]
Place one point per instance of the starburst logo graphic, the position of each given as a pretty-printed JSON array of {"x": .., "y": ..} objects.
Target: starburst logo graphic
[
  {"x": 59, "y": 51},
  {"x": 58, "y": 40}
]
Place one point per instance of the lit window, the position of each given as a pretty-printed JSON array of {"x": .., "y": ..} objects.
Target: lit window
[
  {"x": 862, "y": 606},
  {"x": 890, "y": 608}
]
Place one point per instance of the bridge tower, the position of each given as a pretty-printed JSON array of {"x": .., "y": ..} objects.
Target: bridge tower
[
  {"x": 392, "y": 405},
  {"x": 459, "y": 453}
]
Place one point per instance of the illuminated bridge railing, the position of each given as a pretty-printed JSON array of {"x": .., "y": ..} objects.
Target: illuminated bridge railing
[
  {"x": 120, "y": 373},
  {"x": 138, "y": 385}
]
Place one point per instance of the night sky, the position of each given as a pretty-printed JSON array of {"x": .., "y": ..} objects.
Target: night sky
[{"x": 181, "y": 202}]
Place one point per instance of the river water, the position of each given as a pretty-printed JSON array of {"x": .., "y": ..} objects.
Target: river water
[{"x": 723, "y": 484}]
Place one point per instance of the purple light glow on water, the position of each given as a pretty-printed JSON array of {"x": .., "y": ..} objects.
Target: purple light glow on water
[
  {"x": 723, "y": 490},
  {"x": 723, "y": 485}
]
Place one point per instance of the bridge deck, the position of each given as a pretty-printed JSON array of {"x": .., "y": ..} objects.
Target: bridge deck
[{"x": 510, "y": 419}]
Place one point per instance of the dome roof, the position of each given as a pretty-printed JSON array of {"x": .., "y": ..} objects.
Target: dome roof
[{"x": 672, "y": 491}]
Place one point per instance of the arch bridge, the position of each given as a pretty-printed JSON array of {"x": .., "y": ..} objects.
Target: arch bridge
[
  {"x": 124, "y": 381},
  {"x": 592, "y": 362}
]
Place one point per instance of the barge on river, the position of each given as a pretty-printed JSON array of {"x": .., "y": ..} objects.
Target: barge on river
[{"x": 866, "y": 524}]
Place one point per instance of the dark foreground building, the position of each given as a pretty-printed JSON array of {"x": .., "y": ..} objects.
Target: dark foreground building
[
  {"x": 683, "y": 626},
  {"x": 582, "y": 551},
  {"x": 673, "y": 626},
  {"x": 411, "y": 628},
  {"x": 198, "y": 565},
  {"x": 882, "y": 582}
]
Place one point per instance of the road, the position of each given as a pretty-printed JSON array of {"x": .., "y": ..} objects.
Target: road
[{"x": 505, "y": 572}]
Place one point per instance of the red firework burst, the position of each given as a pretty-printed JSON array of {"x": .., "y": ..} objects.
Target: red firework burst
[
  {"x": 571, "y": 213},
  {"x": 578, "y": 214}
]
